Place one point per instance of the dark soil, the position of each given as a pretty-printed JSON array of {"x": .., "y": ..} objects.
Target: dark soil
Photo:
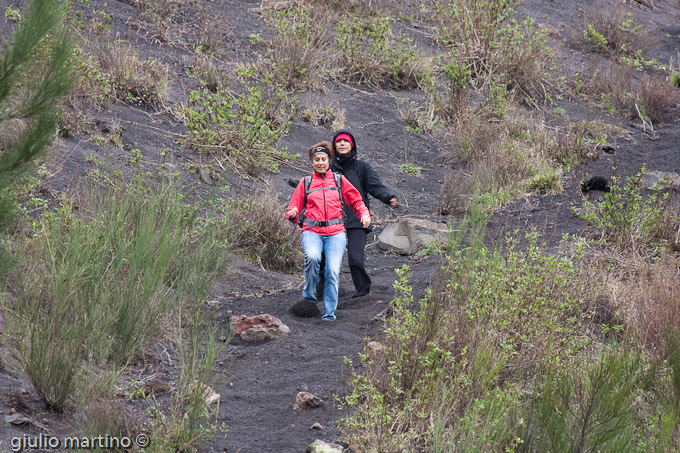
[{"x": 260, "y": 380}]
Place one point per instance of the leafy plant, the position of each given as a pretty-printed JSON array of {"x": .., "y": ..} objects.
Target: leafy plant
[
  {"x": 369, "y": 54},
  {"x": 97, "y": 286},
  {"x": 242, "y": 127},
  {"x": 627, "y": 216},
  {"x": 410, "y": 169}
]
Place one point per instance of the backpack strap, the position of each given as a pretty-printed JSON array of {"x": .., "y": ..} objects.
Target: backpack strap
[{"x": 318, "y": 223}]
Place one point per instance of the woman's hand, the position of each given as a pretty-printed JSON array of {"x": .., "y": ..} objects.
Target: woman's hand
[
  {"x": 366, "y": 221},
  {"x": 393, "y": 202},
  {"x": 292, "y": 214}
]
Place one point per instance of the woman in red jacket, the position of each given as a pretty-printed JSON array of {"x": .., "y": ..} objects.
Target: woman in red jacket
[{"x": 317, "y": 209}]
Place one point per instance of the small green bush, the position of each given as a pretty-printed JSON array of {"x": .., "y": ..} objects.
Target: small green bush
[
  {"x": 96, "y": 286},
  {"x": 256, "y": 227},
  {"x": 369, "y": 54},
  {"x": 242, "y": 127},
  {"x": 628, "y": 216},
  {"x": 492, "y": 316},
  {"x": 492, "y": 46},
  {"x": 296, "y": 55}
]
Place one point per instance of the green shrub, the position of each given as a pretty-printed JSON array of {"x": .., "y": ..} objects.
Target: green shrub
[
  {"x": 256, "y": 227},
  {"x": 491, "y": 317},
  {"x": 94, "y": 287},
  {"x": 504, "y": 354},
  {"x": 627, "y": 216},
  {"x": 295, "y": 56},
  {"x": 588, "y": 405},
  {"x": 369, "y": 54},
  {"x": 481, "y": 35},
  {"x": 242, "y": 127}
]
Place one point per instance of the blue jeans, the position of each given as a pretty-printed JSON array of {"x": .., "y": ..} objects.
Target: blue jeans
[{"x": 333, "y": 247}]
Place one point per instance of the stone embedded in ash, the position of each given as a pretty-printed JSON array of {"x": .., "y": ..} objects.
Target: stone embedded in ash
[
  {"x": 319, "y": 446},
  {"x": 375, "y": 351},
  {"x": 318, "y": 426},
  {"x": 664, "y": 179},
  {"x": 305, "y": 401},
  {"x": 408, "y": 235},
  {"x": 549, "y": 30},
  {"x": 258, "y": 328},
  {"x": 17, "y": 418}
]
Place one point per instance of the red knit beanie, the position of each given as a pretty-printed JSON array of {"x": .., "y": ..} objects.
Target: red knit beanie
[{"x": 344, "y": 136}]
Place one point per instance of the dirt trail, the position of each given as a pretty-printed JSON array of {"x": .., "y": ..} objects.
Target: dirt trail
[{"x": 264, "y": 378}]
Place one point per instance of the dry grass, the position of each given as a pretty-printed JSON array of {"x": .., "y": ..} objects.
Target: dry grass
[
  {"x": 511, "y": 156},
  {"x": 133, "y": 78},
  {"x": 657, "y": 98},
  {"x": 616, "y": 88},
  {"x": 648, "y": 295},
  {"x": 210, "y": 71},
  {"x": 257, "y": 228},
  {"x": 323, "y": 114},
  {"x": 296, "y": 55},
  {"x": 11, "y": 131},
  {"x": 610, "y": 85},
  {"x": 616, "y": 33},
  {"x": 495, "y": 47},
  {"x": 112, "y": 417}
]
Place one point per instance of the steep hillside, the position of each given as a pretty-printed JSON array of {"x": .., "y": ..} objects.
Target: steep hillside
[{"x": 177, "y": 87}]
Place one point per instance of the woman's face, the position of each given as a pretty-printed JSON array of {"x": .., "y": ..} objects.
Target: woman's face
[
  {"x": 320, "y": 162},
  {"x": 343, "y": 146}
]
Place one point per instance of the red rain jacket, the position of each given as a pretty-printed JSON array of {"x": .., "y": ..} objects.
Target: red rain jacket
[{"x": 325, "y": 205}]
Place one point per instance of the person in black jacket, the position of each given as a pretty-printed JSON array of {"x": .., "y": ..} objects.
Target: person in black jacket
[{"x": 366, "y": 180}]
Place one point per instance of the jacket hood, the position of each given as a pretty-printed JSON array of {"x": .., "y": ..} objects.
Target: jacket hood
[{"x": 352, "y": 153}]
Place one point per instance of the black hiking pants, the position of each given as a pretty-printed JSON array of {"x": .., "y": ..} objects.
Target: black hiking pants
[{"x": 356, "y": 247}]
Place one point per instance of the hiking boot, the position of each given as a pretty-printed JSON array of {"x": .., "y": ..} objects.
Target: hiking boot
[{"x": 305, "y": 309}]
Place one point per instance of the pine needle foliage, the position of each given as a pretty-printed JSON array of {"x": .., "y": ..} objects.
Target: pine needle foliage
[{"x": 35, "y": 72}]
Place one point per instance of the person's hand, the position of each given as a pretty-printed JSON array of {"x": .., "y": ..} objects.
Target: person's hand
[
  {"x": 366, "y": 221},
  {"x": 292, "y": 214},
  {"x": 394, "y": 202}
]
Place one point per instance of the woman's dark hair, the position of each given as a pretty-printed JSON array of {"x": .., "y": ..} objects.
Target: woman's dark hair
[{"x": 324, "y": 144}]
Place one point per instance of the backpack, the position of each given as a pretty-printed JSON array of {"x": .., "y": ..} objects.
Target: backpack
[{"x": 316, "y": 223}]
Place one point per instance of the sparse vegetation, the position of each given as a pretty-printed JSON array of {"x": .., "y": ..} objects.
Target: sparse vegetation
[
  {"x": 370, "y": 54},
  {"x": 632, "y": 215},
  {"x": 452, "y": 374},
  {"x": 241, "y": 128},
  {"x": 486, "y": 44},
  {"x": 97, "y": 286}
]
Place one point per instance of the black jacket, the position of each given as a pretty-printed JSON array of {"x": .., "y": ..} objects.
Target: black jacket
[{"x": 362, "y": 176}]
